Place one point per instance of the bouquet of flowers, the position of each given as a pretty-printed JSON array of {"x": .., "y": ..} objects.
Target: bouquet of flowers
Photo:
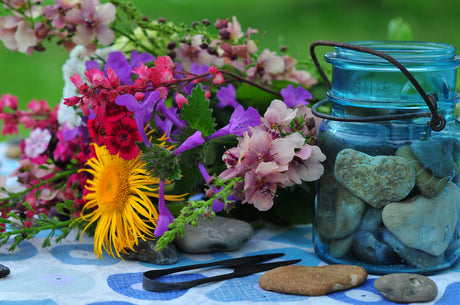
[{"x": 152, "y": 112}]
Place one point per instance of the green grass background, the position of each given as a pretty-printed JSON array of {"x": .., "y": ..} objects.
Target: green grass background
[{"x": 295, "y": 23}]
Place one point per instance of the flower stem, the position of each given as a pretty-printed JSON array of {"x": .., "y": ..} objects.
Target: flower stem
[
  {"x": 54, "y": 225},
  {"x": 18, "y": 194},
  {"x": 189, "y": 214}
]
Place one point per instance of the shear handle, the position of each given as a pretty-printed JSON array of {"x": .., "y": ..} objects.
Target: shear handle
[
  {"x": 150, "y": 284},
  {"x": 228, "y": 263}
]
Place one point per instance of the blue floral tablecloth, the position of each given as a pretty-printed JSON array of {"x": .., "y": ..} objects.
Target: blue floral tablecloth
[{"x": 70, "y": 273}]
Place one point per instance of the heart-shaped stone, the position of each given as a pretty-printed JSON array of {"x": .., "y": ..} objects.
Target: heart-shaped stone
[
  {"x": 425, "y": 224},
  {"x": 376, "y": 180}
]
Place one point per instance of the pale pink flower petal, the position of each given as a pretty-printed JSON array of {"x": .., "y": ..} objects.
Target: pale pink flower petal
[
  {"x": 84, "y": 35},
  {"x": 105, "y": 35},
  {"x": 283, "y": 149},
  {"x": 278, "y": 114},
  {"x": 25, "y": 37},
  {"x": 105, "y": 13},
  {"x": 260, "y": 142}
]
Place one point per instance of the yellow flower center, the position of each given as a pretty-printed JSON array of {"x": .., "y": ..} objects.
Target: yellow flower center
[{"x": 113, "y": 190}]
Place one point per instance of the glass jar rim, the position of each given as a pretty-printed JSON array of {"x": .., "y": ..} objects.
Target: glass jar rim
[{"x": 406, "y": 52}]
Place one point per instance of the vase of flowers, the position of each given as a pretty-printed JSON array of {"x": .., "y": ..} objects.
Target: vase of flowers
[{"x": 148, "y": 117}]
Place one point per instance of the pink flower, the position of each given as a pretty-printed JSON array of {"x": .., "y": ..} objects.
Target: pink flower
[
  {"x": 57, "y": 12},
  {"x": 10, "y": 123},
  {"x": 38, "y": 107},
  {"x": 268, "y": 65},
  {"x": 25, "y": 38},
  {"x": 29, "y": 170},
  {"x": 8, "y": 100},
  {"x": 306, "y": 165},
  {"x": 37, "y": 142},
  {"x": 180, "y": 100},
  {"x": 260, "y": 185},
  {"x": 8, "y": 26},
  {"x": 193, "y": 53},
  {"x": 278, "y": 115},
  {"x": 284, "y": 149},
  {"x": 234, "y": 29},
  {"x": 92, "y": 22},
  {"x": 218, "y": 79}
]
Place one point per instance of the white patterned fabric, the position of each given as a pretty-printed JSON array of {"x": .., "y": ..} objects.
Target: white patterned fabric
[{"x": 70, "y": 273}]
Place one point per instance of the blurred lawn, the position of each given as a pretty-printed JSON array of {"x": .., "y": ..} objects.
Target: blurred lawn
[{"x": 295, "y": 23}]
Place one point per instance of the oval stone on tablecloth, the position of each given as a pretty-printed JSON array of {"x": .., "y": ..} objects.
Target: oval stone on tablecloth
[
  {"x": 216, "y": 234},
  {"x": 406, "y": 287},
  {"x": 312, "y": 281}
]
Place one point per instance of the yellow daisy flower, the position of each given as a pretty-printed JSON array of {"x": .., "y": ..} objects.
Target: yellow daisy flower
[{"x": 118, "y": 201}]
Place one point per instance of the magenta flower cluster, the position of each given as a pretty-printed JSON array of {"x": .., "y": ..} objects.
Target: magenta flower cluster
[{"x": 275, "y": 153}]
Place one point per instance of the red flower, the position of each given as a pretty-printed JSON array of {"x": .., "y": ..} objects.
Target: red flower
[{"x": 121, "y": 137}]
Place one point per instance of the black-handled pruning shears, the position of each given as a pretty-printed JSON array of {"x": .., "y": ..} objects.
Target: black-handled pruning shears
[{"x": 241, "y": 267}]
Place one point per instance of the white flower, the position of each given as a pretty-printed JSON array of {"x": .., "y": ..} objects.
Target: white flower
[{"x": 37, "y": 142}]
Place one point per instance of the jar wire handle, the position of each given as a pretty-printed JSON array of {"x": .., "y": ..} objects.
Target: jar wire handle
[{"x": 437, "y": 122}]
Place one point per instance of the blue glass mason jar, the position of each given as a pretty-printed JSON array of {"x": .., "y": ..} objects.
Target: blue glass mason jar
[{"x": 389, "y": 199}]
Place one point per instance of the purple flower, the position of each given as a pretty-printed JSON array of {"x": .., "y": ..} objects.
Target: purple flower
[
  {"x": 118, "y": 62},
  {"x": 196, "y": 69},
  {"x": 69, "y": 134},
  {"x": 165, "y": 217},
  {"x": 142, "y": 111},
  {"x": 136, "y": 59},
  {"x": 170, "y": 114},
  {"x": 165, "y": 126},
  {"x": 193, "y": 141},
  {"x": 217, "y": 205},
  {"x": 293, "y": 97},
  {"x": 91, "y": 64},
  {"x": 123, "y": 69},
  {"x": 239, "y": 122},
  {"x": 227, "y": 97}
]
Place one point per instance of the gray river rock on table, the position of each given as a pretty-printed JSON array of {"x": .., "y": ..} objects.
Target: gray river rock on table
[
  {"x": 339, "y": 211},
  {"x": 376, "y": 180},
  {"x": 422, "y": 223},
  {"x": 406, "y": 287},
  {"x": 4, "y": 270},
  {"x": 440, "y": 155},
  {"x": 426, "y": 182},
  {"x": 145, "y": 252},
  {"x": 216, "y": 234}
]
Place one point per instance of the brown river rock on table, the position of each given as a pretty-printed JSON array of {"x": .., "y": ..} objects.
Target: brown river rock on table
[{"x": 312, "y": 281}]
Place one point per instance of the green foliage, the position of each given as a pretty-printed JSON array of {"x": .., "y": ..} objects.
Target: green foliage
[
  {"x": 400, "y": 30},
  {"x": 20, "y": 232},
  {"x": 197, "y": 112},
  {"x": 160, "y": 162},
  {"x": 255, "y": 97}
]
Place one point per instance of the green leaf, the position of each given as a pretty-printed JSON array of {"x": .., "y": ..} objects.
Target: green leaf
[
  {"x": 398, "y": 29},
  {"x": 197, "y": 112}
]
